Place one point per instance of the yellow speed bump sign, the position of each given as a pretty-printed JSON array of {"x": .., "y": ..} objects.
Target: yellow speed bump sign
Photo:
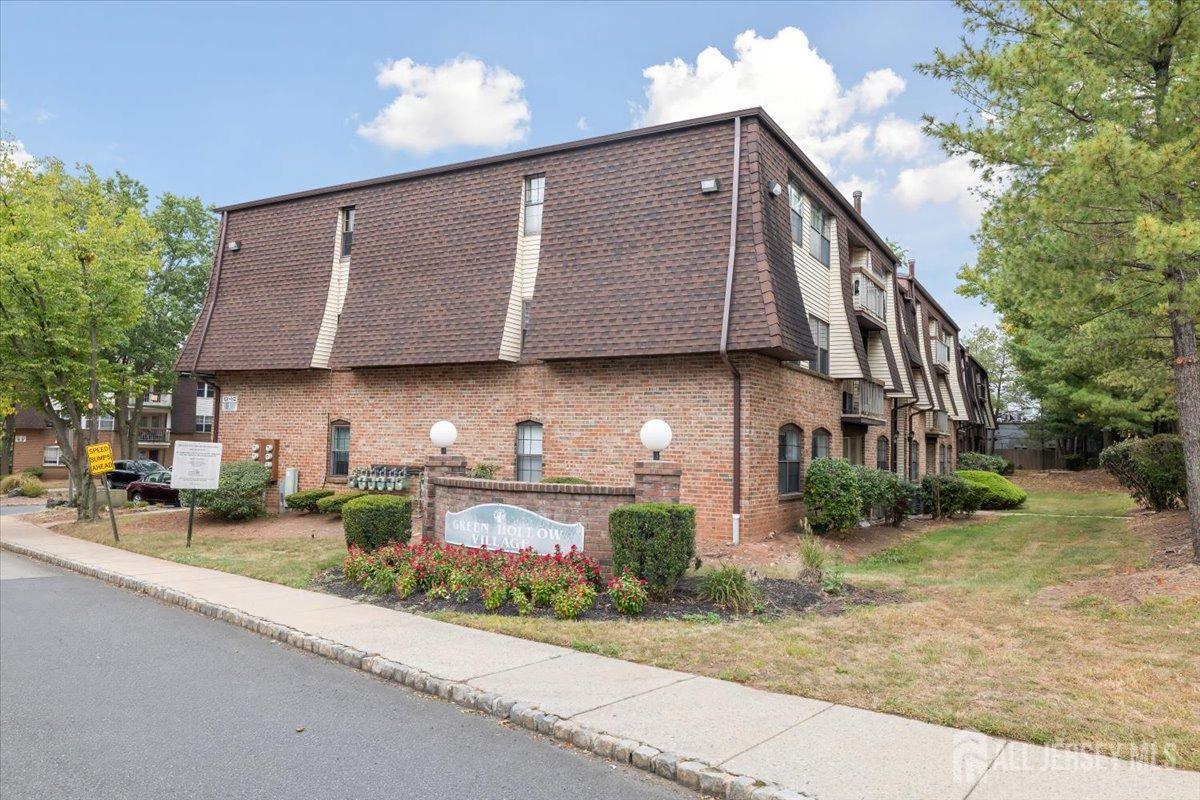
[{"x": 100, "y": 458}]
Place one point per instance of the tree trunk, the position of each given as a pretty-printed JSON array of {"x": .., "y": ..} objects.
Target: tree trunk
[
  {"x": 1187, "y": 399},
  {"x": 7, "y": 443},
  {"x": 127, "y": 420}
]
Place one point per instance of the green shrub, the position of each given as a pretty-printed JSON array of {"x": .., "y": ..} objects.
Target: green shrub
[
  {"x": 406, "y": 581},
  {"x": 730, "y": 588},
  {"x": 655, "y": 541},
  {"x": 1151, "y": 469},
  {"x": 1074, "y": 461},
  {"x": 376, "y": 519},
  {"x": 306, "y": 500},
  {"x": 832, "y": 494},
  {"x": 567, "y": 479},
  {"x": 885, "y": 492},
  {"x": 833, "y": 581},
  {"x": 573, "y": 601},
  {"x": 985, "y": 462},
  {"x": 495, "y": 592},
  {"x": 996, "y": 491},
  {"x": 31, "y": 486},
  {"x": 520, "y": 601},
  {"x": 35, "y": 471},
  {"x": 9, "y": 482},
  {"x": 948, "y": 495},
  {"x": 239, "y": 494},
  {"x": 484, "y": 471},
  {"x": 334, "y": 502},
  {"x": 628, "y": 593}
]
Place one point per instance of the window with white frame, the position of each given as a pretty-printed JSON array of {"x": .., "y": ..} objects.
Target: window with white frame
[
  {"x": 204, "y": 423},
  {"x": 821, "y": 443},
  {"x": 535, "y": 195},
  {"x": 818, "y": 242},
  {"x": 204, "y": 389},
  {"x": 820, "y": 335},
  {"x": 105, "y": 423},
  {"x": 52, "y": 456},
  {"x": 796, "y": 212},
  {"x": 529, "y": 451}
]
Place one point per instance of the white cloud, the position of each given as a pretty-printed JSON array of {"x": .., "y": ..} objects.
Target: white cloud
[
  {"x": 42, "y": 115},
  {"x": 785, "y": 75},
  {"x": 582, "y": 123},
  {"x": 14, "y": 150},
  {"x": 898, "y": 139},
  {"x": 460, "y": 102},
  {"x": 3, "y": 105},
  {"x": 950, "y": 182}
]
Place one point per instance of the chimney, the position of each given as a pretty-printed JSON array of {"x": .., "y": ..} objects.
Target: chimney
[
  {"x": 912, "y": 269},
  {"x": 858, "y": 201}
]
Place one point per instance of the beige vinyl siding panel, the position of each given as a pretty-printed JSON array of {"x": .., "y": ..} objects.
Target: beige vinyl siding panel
[
  {"x": 923, "y": 401},
  {"x": 524, "y": 279},
  {"x": 339, "y": 278},
  {"x": 843, "y": 360},
  {"x": 877, "y": 359},
  {"x": 812, "y": 275},
  {"x": 955, "y": 388},
  {"x": 904, "y": 391}
]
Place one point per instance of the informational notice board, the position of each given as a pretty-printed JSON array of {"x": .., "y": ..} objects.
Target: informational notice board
[{"x": 197, "y": 465}]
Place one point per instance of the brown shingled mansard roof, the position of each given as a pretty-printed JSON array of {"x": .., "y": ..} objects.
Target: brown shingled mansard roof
[{"x": 632, "y": 261}]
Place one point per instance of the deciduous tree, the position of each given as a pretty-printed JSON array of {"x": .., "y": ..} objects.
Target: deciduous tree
[{"x": 1086, "y": 130}]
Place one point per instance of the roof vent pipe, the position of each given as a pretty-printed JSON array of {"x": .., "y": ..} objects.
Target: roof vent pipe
[{"x": 858, "y": 201}]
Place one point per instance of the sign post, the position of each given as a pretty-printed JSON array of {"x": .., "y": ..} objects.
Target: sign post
[
  {"x": 196, "y": 465},
  {"x": 100, "y": 463}
]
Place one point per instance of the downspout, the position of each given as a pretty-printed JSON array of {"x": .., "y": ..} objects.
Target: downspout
[
  {"x": 216, "y": 285},
  {"x": 733, "y": 370}
]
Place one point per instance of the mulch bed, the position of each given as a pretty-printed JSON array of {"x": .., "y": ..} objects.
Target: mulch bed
[{"x": 780, "y": 597}]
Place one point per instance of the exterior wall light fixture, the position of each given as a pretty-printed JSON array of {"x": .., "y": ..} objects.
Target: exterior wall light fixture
[
  {"x": 233, "y": 245},
  {"x": 656, "y": 436},
  {"x": 776, "y": 188},
  {"x": 709, "y": 185},
  {"x": 443, "y": 434}
]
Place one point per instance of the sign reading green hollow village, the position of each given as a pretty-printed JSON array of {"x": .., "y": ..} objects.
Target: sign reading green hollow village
[{"x": 497, "y": 526}]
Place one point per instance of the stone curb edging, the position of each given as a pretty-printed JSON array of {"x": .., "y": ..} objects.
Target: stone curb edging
[{"x": 692, "y": 774}]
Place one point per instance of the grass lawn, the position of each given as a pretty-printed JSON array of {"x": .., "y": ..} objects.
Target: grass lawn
[
  {"x": 974, "y": 647},
  {"x": 290, "y": 560}
]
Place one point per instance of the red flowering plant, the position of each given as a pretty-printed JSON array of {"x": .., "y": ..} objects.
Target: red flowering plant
[{"x": 628, "y": 593}]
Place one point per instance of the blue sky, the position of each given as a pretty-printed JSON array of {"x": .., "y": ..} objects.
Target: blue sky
[{"x": 238, "y": 101}]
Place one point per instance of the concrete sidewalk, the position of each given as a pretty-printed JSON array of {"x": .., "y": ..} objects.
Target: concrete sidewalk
[{"x": 723, "y": 738}]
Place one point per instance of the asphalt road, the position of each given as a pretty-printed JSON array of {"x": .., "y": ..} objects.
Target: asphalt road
[{"x": 107, "y": 694}]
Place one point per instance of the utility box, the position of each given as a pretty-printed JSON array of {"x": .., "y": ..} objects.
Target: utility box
[{"x": 290, "y": 485}]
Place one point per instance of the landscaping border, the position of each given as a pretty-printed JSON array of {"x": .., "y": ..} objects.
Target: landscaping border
[{"x": 693, "y": 774}]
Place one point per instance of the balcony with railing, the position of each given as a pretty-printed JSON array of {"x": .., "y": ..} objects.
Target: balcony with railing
[
  {"x": 862, "y": 402},
  {"x": 153, "y": 435},
  {"x": 870, "y": 301},
  {"x": 937, "y": 423},
  {"x": 157, "y": 400},
  {"x": 941, "y": 355}
]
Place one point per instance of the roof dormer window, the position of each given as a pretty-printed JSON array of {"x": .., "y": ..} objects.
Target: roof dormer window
[
  {"x": 535, "y": 193},
  {"x": 347, "y": 230}
]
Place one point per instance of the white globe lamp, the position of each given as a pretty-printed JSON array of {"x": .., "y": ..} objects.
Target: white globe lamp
[
  {"x": 656, "y": 436},
  {"x": 443, "y": 434}
]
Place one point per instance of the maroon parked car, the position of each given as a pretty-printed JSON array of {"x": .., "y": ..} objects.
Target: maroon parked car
[{"x": 154, "y": 488}]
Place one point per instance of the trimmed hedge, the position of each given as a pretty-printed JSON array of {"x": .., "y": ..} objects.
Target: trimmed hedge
[
  {"x": 334, "y": 502},
  {"x": 306, "y": 500},
  {"x": 239, "y": 494},
  {"x": 832, "y": 494},
  {"x": 373, "y": 520},
  {"x": 997, "y": 492},
  {"x": 568, "y": 479},
  {"x": 1151, "y": 469},
  {"x": 947, "y": 495},
  {"x": 886, "y": 491},
  {"x": 654, "y": 541},
  {"x": 985, "y": 462}
]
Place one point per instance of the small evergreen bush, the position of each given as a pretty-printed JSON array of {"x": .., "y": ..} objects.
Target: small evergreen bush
[
  {"x": 239, "y": 494},
  {"x": 985, "y": 462},
  {"x": 376, "y": 519},
  {"x": 885, "y": 492},
  {"x": 36, "y": 471},
  {"x": 655, "y": 541},
  {"x": 334, "y": 502},
  {"x": 483, "y": 471},
  {"x": 832, "y": 494},
  {"x": 306, "y": 500},
  {"x": 1151, "y": 469},
  {"x": 569, "y": 479},
  {"x": 996, "y": 491}
]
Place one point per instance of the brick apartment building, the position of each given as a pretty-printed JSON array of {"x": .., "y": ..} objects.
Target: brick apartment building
[
  {"x": 549, "y": 302},
  {"x": 184, "y": 413}
]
